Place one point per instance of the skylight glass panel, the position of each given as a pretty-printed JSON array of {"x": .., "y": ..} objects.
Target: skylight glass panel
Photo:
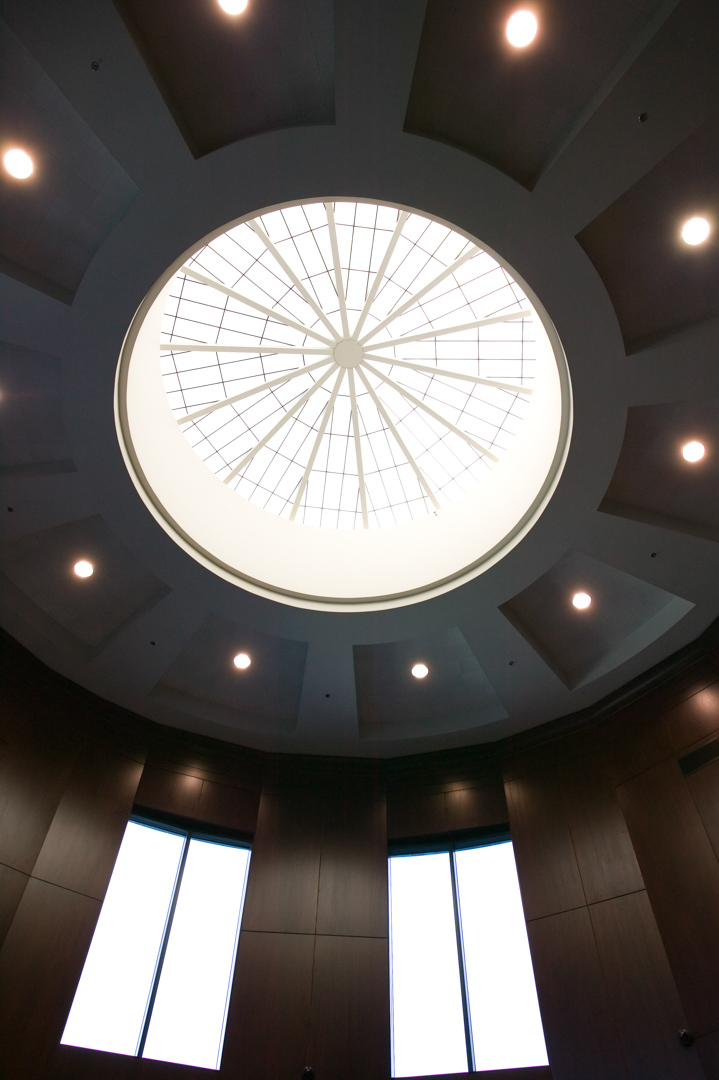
[
  {"x": 112, "y": 996},
  {"x": 427, "y": 1027},
  {"x": 190, "y": 1009},
  {"x": 506, "y": 1024},
  {"x": 348, "y": 365}
]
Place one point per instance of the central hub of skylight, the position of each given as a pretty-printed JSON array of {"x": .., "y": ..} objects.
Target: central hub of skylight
[
  {"x": 353, "y": 368},
  {"x": 348, "y": 353}
]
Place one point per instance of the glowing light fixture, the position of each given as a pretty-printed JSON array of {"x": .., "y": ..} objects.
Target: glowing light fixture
[
  {"x": 242, "y": 661},
  {"x": 521, "y": 29},
  {"x": 83, "y": 568},
  {"x": 695, "y": 231},
  {"x": 18, "y": 163},
  {"x": 693, "y": 451},
  {"x": 581, "y": 600},
  {"x": 233, "y": 7},
  {"x": 420, "y": 671}
]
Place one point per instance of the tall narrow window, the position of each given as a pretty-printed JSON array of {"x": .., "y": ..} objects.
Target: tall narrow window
[
  {"x": 463, "y": 993},
  {"x": 156, "y": 981}
]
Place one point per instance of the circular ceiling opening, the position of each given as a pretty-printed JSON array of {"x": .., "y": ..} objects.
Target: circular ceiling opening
[{"x": 344, "y": 405}]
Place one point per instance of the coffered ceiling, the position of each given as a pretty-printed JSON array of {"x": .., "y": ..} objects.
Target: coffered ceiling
[{"x": 153, "y": 125}]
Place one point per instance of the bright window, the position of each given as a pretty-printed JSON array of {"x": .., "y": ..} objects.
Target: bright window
[
  {"x": 463, "y": 993},
  {"x": 157, "y": 977}
]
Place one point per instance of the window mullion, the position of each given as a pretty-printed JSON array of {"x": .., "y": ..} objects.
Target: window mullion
[
  {"x": 462, "y": 967},
  {"x": 163, "y": 949}
]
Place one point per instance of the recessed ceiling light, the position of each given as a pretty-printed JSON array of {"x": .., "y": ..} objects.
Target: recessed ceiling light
[
  {"x": 242, "y": 660},
  {"x": 696, "y": 230},
  {"x": 420, "y": 671},
  {"x": 83, "y": 568},
  {"x": 581, "y": 600},
  {"x": 521, "y": 29},
  {"x": 18, "y": 164},
  {"x": 693, "y": 451},
  {"x": 233, "y": 7}
]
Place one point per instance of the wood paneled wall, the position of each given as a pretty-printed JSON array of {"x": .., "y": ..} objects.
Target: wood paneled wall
[{"x": 618, "y": 857}]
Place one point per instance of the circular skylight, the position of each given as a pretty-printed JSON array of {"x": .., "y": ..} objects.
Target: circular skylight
[{"x": 342, "y": 368}]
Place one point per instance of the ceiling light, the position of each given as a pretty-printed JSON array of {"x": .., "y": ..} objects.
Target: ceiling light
[
  {"x": 696, "y": 230},
  {"x": 420, "y": 671},
  {"x": 233, "y": 7},
  {"x": 18, "y": 164},
  {"x": 242, "y": 660},
  {"x": 693, "y": 451},
  {"x": 581, "y": 600},
  {"x": 521, "y": 29},
  {"x": 83, "y": 568}
]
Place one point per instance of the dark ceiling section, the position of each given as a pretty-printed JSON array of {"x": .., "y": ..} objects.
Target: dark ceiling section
[
  {"x": 40, "y": 583},
  {"x": 654, "y": 484},
  {"x": 625, "y": 616},
  {"x": 203, "y": 681},
  {"x": 657, "y": 283},
  {"x": 54, "y": 222},
  {"x": 32, "y": 434},
  {"x": 455, "y": 694},
  {"x": 514, "y": 107},
  {"x": 225, "y": 78}
]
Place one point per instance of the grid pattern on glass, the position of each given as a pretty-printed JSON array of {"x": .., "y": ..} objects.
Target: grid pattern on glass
[
  {"x": 347, "y": 365},
  {"x": 156, "y": 981},
  {"x": 463, "y": 993}
]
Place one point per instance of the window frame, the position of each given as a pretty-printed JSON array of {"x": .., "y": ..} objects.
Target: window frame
[{"x": 189, "y": 829}]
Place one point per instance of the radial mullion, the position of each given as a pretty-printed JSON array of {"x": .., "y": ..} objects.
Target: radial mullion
[
  {"x": 315, "y": 449},
  {"x": 379, "y": 276},
  {"x": 271, "y": 313},
  {"x": 278, "y": 426},
  {"x": 206, "y": 409},
  {"x": 425, "y": 335},
  {"x": 437, "y": 416},
  {"x": 329, "y": 210},
  {"x": 251, "y": 350},
  {"x": 358, "y": 447},
  {"x": 293, "y": 277},
  {"x": 399, "y": 440},
  {"x": 421, "y": 292},
  {"x": 449, "y": 374}
]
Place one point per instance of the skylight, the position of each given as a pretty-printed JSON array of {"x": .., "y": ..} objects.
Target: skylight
[
  {"x": 347, "y": 365},
  {"x": 343, "y": 404}
]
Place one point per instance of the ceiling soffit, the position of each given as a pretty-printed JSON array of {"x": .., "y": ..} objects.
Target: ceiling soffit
[
  {"x": 656, "y": 282},
  {"x": 514, "y": 108},
  {"x": 225, "y": 78},
  {"x": 53, "y": 225}
]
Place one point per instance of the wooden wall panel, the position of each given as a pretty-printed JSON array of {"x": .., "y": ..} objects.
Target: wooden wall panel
[
  {"x": 682, "y": 879},
  {"x": 412, "y": 815},
  {"x": 707, "y": 1050},
  {"x": 604, "y": 852},
  {"x": 540, "y": 1072},
  {"x": 32, "y": 780},
  {"x": 476, "y": 806},
  {"x": 704, "y": 789},
  {"x": 12, "y": 886},
  {"x": 693, "y": 719},
  {"x": 40, "y": 965},
  {"x": 634, "y": 741},
  {"x": 268, "y": 1021},
  {"x": 582, "y": 1040},
  {"x": 547, "y": 867},
  {"x": 283, "y": 882},
  {"x": 353, "y": 869},
  {"x": 644, "y": 1000},
  {"x": 170, "y": 792},
  {"x": 73, "y": 1063},
  {"x": 82, "y": 843},
  {"x": 349, "y": 1034},
  {"x": 231, "y": 807}
]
